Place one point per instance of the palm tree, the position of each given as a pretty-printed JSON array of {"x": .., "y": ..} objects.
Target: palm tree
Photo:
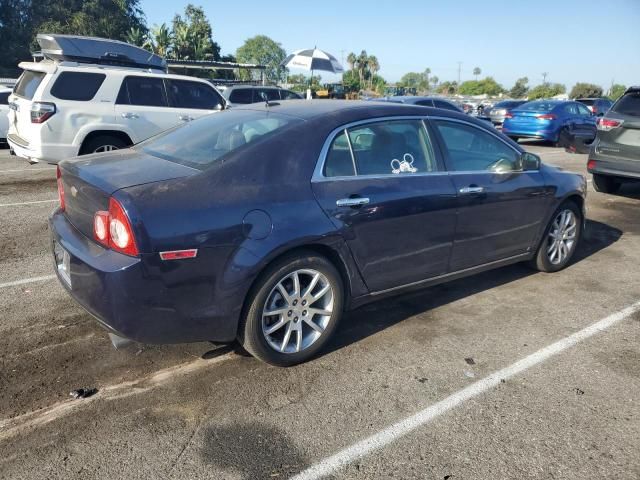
[
  {"x": 427, "y": 72},
  {"x": 374, "y": 67},
  {"x": 182, "y": 41},
  {"x": 362, "y": 66},
  {"x": 161, "y": 39},
  {"x": 435, "y": 81},
  {"x": 476, "y": 72},
  {"x": 136, "y": 36},
  {"x": 351, "y": 60}
]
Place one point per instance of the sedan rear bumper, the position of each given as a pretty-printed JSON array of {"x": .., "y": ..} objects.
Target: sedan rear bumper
[
  {"x": 615, "y": 167},
  {"x": 550, "y": 135},
  {"x": 131, "y": 297}
]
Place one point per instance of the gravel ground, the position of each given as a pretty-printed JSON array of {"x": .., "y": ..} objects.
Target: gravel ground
[{"x": 200, "y": 411}]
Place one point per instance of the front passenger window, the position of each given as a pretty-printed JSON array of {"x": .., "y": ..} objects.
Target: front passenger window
[{"x": 471, "y": 149}]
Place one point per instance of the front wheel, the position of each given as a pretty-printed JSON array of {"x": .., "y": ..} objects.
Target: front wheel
[
  {"x": 560, "y": 240},
  {"x": 103, "y": 143},
  {"x": 293, "y": 310},
  {"x": 605, "y": 183}
]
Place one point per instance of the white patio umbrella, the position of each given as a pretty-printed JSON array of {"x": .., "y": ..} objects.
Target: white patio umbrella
[{"x": 313, "y": 59}]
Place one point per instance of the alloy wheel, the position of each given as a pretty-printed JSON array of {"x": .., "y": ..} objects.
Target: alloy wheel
[
  {"x": 105, "y": 148},
  {"x": 562, "y": 236},
  {"x": 297, "y": 311}
]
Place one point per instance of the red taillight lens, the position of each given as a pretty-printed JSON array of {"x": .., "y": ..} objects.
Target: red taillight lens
[
  {"x": 606, "y": 124},
  {"x": 60, "y": 188},
  {"x": 113, "y": 229},
  {"x": 591, "y": 164},
  {"x": 42, "y": 111},
  {"x": 546, "y": 116},
  {"x": 508, "y": 115}
]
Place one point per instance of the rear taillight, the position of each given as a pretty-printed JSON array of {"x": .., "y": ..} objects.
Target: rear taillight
[
  {"x": 508, "y": 115},
  {"x": 606, "y": 124},
  {"x": 591, "y": 164},
  {"x": 42, "y": 111},
  {"x": 546, "y": 116},
  {"x": 113, "y": 229},
  {"x": 60, "y": 188}
]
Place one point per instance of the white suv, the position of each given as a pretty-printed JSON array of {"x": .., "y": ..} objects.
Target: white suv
[{"x": 60, "y": 109}]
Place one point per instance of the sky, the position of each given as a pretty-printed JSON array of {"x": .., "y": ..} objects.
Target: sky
[{"x": 572, "y": 40}]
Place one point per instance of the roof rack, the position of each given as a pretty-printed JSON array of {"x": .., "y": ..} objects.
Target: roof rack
[{"x": 99, "y": 51}]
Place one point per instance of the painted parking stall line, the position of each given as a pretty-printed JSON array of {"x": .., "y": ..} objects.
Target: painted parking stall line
[
  {"x": 25, "y": 281},
  {"x": 27, "y": 203},
  {"x": 29, "y": 170},
  {"x": 398, "y": 430}
]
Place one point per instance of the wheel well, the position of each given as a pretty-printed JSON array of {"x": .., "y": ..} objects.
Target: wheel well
[
  {"x": 578, "y": 200},
  {"x": 100, "y": 133}
]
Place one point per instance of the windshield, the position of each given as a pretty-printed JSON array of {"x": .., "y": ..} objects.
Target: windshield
[
  {"x": 202, "y": 142},
  {"x": 538, "y": 106}
]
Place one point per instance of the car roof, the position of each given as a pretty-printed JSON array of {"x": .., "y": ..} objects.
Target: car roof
[
  {"x": 239, "y": 87},
  {"x": 308, "y": 109}
]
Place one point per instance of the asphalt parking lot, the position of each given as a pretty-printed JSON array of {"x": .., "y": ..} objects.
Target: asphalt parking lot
[{"x": 407, "y": 389}]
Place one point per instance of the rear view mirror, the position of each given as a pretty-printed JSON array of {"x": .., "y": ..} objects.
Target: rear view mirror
[{"x": 530, "y": 161}]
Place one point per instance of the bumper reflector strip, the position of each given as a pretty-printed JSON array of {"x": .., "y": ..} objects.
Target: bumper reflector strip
[{"x": 179, "y": 254}]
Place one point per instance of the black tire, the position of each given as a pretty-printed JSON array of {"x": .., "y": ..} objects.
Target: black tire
[
  {"x": 564, "y": 138},
  {"x": 605, "y": 183},
  {"x": 541, "y": 261},
  {"x": 97, "y": 143},
  {"x": 250, "y": 331},
  {"x": 515, "y": 139}
]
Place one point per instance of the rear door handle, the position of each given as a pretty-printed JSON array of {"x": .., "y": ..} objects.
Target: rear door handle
[
  {"x": 352, "y": 202},
  {"x": 471, "y": 190},
  {"x": 129, "y": 115}
]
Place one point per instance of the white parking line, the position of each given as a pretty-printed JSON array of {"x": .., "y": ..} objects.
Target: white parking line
[
  {"x": 398, "y": 430},
  {"x": 28, "y": 170},
  {"x": 26, "y": 203},
  {"x": 27, "y": 280}
]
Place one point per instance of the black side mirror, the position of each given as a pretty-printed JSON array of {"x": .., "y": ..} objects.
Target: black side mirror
[{"x": 530, "y": 161}]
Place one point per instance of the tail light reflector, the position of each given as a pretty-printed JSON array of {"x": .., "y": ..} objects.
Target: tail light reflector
[
  {"x": 179, "y": 254},
  {"x": 42, "y": 111},
  {"x": 546, "y": 116},
  {"x": 113, "y": 229},
  {"x": 606, "y": 124},
  {"x": 60, "y": 188}
]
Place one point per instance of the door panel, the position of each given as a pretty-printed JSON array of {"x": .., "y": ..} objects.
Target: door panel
[{"x": 405, "y": 232}]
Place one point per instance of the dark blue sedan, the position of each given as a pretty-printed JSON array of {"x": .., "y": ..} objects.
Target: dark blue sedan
[
  {"x": 265, "y": 223},
  {"x": 556, "y": 121}
]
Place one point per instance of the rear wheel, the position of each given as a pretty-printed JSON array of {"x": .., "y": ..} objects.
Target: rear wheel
[
  {"x": 605, "y": 183},
  {"x": 515, "y": 139},
  {"x": 103, "y": 143},
  {"x": 293, "y": 310},
  {"x": 560, "y": 240},
  {"x": 564, "y": 138}
]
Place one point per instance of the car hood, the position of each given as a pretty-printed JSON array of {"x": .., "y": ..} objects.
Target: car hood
[{"x": 111, "y": 171}]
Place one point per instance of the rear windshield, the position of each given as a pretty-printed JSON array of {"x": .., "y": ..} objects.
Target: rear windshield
[
  {"x": 628, "y": 104},
  {"x": 586, "y": 101},
  {"x": 28, "y": 83},
  {"x": 507, "y": 104},
  {"x": 538, "y": 106},
  {"x": 200, "y": 143}
]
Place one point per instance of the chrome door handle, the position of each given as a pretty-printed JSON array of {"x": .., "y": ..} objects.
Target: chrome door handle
[
  {"x": 185, "y": 118},
  {"x": 471, "y": 190},
  {"x": 352, "y": 202},
  {"x": 129, "y": 115}
]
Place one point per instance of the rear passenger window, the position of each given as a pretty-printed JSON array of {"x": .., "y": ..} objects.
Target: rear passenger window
[
  {"x": 78, "y": 86},
  {"x": 582, "y": 110},
  {"x": 289, "y": 95},
  {"x": 399, "y": 147},
  {"x": 445, "y": 105},
  {"x": 145, "y": 91},
  {"x": 185, "y": 94},
  {"x": 270, "y": 94},
  {"x": 471, "y": 149},
  {"x": 4, "y": 98},
  {"x": 425, "y": 103},
  {"x": 241, "y": 96}
]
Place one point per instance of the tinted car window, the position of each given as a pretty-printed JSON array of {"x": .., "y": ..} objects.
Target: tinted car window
[
  {"x": 628, "y": 104},
  {"x": 270, "y": 94},
  {"x": 582, "y": 110},
  {"x": 28, "y": 83},
  {"x": 145, "y": 91},
  {"x": 396, "y": 147},
  {"x": 538, "y": 106},
  {"x": 202, "y": 142},
  {"x": 241, "y": 96},
  {"x": 289, "y": 95},
  {"x": 185, "y": 94},
  {"x": 4, "y": 98},
  {"x": 445, "y": 105},
  {"x": 571, "y": 109},
  {"x": 339, "y": 162},
  {"x": 472, "y": 149},
  {"x": 425, "y": 103},
  {"x": 79, "y": 86}
]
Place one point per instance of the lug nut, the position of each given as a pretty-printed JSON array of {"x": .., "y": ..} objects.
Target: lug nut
[
  {"x": 289, "y": 313},
  {"x": 304, "y": 313}
]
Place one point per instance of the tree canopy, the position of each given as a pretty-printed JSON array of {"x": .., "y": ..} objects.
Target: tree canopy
[
  {"x": 486, "y": 86},
  {"x": 585, "y": 90},
  {"x": 263, "y": 50},
  {"x": 520, "y": 89},
  {"x": 362, "y": 73},
  {"x": 616, "y": 91},
  {"x": 546, "y": 90}
]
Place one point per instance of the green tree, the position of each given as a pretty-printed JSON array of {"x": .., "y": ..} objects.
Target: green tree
[
  {"x": 477, "y": 72},
  {"x": 520, "y": 89},
  {"x": 160, "y": 40},
  {"x": 448, "y": 87},
  {"x": 135, "y": 36},
  {"x": 412, "y": 80},
  {"x": 427, "y": 72},
  {"x": 585, "y": 90},
  {"x": 265, "y": 51},
  {"x": 616, "y": 91},
  {"x": 434, "y": 81},
  {"x": 374, "y": 67},
  {"x": 192, "y": 35},
  {"x": 486, "y": 86},
  {"x": 546, "y": 90}
]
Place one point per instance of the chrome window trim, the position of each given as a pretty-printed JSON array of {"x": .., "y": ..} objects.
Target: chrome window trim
[{"x": 318, "y": 175}]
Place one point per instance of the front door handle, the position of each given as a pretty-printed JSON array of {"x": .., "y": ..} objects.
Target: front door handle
[
  {"x": 352, "y": 202},
  {"x": 185, "y": 118},
  {"x": 129, "y": 115},
  {"x": 471, "y": 190}
]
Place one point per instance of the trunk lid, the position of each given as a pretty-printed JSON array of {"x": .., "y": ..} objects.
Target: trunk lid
[
  {"x": 90, "y": 180},
  {"x": 622, "y": 142}
]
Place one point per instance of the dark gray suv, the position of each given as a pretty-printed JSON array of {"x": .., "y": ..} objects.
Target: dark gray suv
[{"x": 615, "y": 153}]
